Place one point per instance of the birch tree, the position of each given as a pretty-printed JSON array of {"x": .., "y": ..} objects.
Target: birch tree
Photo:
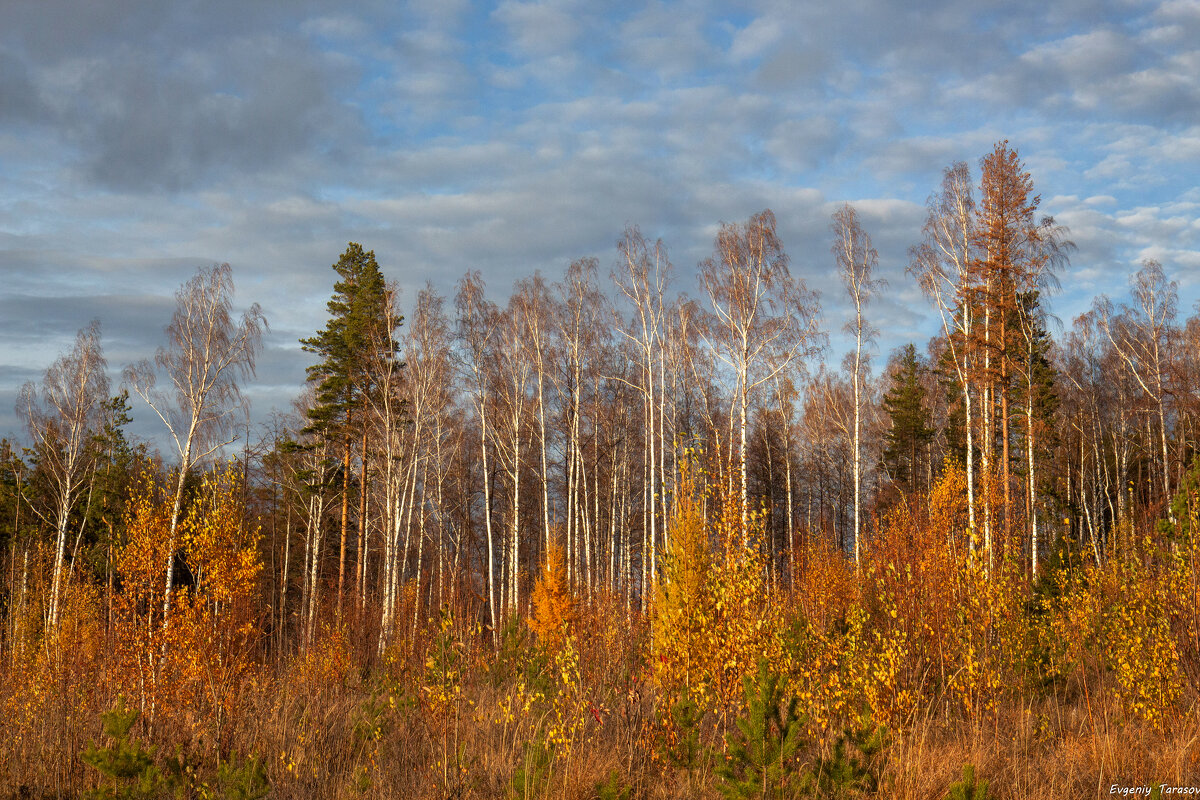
[
  {"x": 757, "y": 308},
  {"x": 477, "y": 322},
  {"x": 533, "y": 306},
  {"x": 941, "y": 265},
  {"x": 856, "y": 260},
  {"x": 206, "y": 356},
  {"x": 513, "y": 373},
  {"x": 582, "y": 326},
  {"x": 642, "y": 277},
  {"x": 62, "y": 419},
  {"x": 1142, "y": 336}
]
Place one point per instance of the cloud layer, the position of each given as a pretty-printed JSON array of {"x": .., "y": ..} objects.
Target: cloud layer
[{"x": 144, "y": 139}]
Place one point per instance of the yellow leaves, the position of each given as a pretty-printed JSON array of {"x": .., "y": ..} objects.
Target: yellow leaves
[
  {"x": 569, "y": 706},
  {"x": 201, "y": 657},
  {"x": 1141, "y": 649},
  {"x": 712, "y": 615},
  {"x": 1119, "y": 615}
]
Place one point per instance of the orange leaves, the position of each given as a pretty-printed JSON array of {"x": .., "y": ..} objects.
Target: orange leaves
[
  {"x": 553, "y": 605},
  {"x": 824, "y": 585},
  {"x": 323, "y": 665}
]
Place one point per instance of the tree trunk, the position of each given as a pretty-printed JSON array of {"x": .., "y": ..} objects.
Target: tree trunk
[
  {"x": 364, "y": 534},
  {"x": 345, "y": 516},
  {"x": 1029, "y": 446}
]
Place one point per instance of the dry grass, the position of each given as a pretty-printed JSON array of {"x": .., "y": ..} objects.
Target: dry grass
[{"x": 335, "y": 733}]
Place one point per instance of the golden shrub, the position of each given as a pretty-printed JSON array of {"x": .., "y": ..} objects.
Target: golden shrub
[
  {"x": 553, "y": 606},
  {"x": 194, "y": 666}
]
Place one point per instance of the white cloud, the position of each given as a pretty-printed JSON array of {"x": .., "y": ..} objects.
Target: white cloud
[
  {"x": 756, "y": 39},
  {"x": 539, "y": 28}
]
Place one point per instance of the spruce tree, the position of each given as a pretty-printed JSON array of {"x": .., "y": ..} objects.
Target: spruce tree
[
  {"x": 1038, "y": 400},
  {"x": 909, "y": 432},
  {"x": 1041, "y": 377}
]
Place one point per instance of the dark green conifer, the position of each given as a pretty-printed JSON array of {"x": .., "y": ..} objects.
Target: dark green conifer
[
  {"x": 908, "y": 437},
  {"x": 359, "y": 336},
  {"x": 1044, "y": 383},
  {"x": 851, "y": 769},
  {"x": 358, "y": 325},
  {"x": 758, "y": 763},
  {"x": 968, "y": 788},
  {"x": 129, "y": 767}
]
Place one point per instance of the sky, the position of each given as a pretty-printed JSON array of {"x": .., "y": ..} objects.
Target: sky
[{"x": 141, "y": 139}]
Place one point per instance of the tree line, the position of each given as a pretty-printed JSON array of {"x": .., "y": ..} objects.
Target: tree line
[{"x": 442, "y": 452}]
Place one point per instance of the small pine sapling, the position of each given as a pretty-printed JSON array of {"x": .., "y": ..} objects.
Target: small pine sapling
[
  {"x": 757, "y": 764},
  {"x": 130, "y": 768},
  {"x": 247, "y": 781},
  {"x": 532, "y": 775},
  {"x": 850, "y": 768},
  {"x": 614, "y": 788},
  {"x": 680, "y": 747},
  {"x": 968, "y": 788}
]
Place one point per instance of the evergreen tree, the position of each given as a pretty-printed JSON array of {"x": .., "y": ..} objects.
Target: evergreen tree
[
  {"x": 1041, "y": 379},
  {"x": 128, "y": 766},
  {"x": 850, "y": 770},
  {"x": 954, "y": 427},
  {"x": 115, "y": 475},
  {"x": 758, "y": 764},
  {"x": 360, "y": 333},
  {"x": 968, "y": 788},
  {"x": 346, "y": 346},
  {"x": 14, "y": 497},
  {"x": 909, "y": 434},
  {"x": 1038, "y": 401}
]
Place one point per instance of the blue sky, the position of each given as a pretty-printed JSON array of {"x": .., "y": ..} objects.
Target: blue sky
[{"x": 140, "y": 139}]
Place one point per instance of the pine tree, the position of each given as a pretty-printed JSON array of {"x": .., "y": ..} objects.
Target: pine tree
[
  {"x": 758, "y": 760},
  {"x": 968, "y": 788},
  {"x": 850, "y": 770},
  {"x": 360, "y": 331},
  {"x": 126, "y": 763},
  {"x": 356, "y": 316},
  {"x": 909, "y": 433},
  {"x": 1015, "y": 252}
]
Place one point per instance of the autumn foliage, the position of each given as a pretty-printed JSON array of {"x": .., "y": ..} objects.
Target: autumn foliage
[
  {"x": 921, "y": 638},
  {"x": 204, "y": 654},
  {"x": 552, "y": 603}
]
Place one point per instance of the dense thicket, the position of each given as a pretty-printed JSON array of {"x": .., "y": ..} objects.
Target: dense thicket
[{"x": 599, "y": 506}]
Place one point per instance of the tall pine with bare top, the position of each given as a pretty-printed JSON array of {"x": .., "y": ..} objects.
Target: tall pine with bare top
[{"x": 1015, "y": 254}]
